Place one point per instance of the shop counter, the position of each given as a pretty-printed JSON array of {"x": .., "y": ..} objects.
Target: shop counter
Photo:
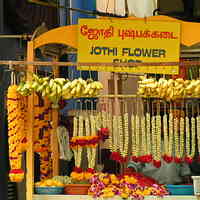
[{"x": 85, "y": 197}]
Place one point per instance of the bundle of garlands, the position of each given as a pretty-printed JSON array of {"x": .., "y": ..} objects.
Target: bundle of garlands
[
  {"x": 89, "y": 130},
  {"x": 17, "y": 131},
  {"x": 42, "y": 132}
]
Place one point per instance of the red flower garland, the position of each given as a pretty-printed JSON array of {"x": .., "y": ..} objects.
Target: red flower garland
[
  {"x": 103, "y": 133},
  {"x": 82, "y": 141},
  {"x": 167, "y": 158},
  {"x": 145, "y": 159},
  {"x": 188, "y": 159},
  {"x": 118, "y": 158}
]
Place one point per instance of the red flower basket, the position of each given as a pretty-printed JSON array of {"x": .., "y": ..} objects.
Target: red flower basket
[{"x": 77, "y": 189}]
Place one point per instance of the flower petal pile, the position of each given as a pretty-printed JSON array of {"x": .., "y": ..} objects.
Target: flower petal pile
[{"x": 134, "y": 186}]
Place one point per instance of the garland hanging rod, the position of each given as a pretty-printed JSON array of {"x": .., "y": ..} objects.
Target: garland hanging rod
[
  {"x": 24, "y": 36},
  {"x": 130, "y": 64}
]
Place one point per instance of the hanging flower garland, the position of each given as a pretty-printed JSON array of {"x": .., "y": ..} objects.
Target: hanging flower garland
[
  {"x": 123, "y": 134},
  {"x": 124, "y": 151},
  {"x": 93, "y": 151},
  {"x": 157, "y": 157},
  {"x": 103, "y": 132},
  {"x": 110, "y": 127},
  {"x": 42, "y": 134},
  {"x": 138, "y": 139},
  {"x": 177, "y": 141},
  {"x": 78, "y": 151},
  {"x": 166, "y": 157},
  {"x": 198, "y": 134},
  {"x": 84, "y": 141},
  {"x": 190, "y": 148},
  {"x": 145, "y": 156},
  {"x": 154, "y": 137},
  {"x": 133, "y": 131},
  {"x": 16, "y": 133},
  {"x": 148, "y": 138},
  {"x": 115, "y": 154},
  {"x": 137, "y": 136},
  {"x": 182, "y": 140},
  {"x": 171, "y": 137},
  {"x": 90, "y": 131}
]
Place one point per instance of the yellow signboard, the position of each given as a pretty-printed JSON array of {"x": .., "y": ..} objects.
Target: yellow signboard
[{"x": 126, "y": 41}]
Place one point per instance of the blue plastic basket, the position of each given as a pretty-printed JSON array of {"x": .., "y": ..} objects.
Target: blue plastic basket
[
  {"x": 49, "y": 190},
  {"x": 180, "y": 189}
]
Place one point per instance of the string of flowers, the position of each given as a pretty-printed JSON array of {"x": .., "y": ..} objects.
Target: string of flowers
[
  {"x": 15, "y": 132},
  {"x": 87, "y": 132},
  {"x": 118, "y": 140},
  {"x": 124, "y": 153},
  {"x": 182, "y": 141},
  {"x": 80, "y": 133},
  {"x": 177, "y": 156},
  {"x": 157, "y": 160},
  {"x": 115, "y": 133},
  {"x": 148, "y": 138},
  {"x": 104, "y": 122},
  {"x": 171, "y": 136},
  {"x": 133, "y": 131},
  {"x": 188, "y": 134},
  {"x": 154, "y": 137},
  {"x": 93, "y": 150},
  {"x": 77, "y": 151},
  {"x": 166, "y": 156},
  {"x": 193, "y": 123},
  {"x": 143, "y": 134},
  {"x": 120, "y": 130},
  {"x": 137, "y": 134},
  {"x": 102, "y": 126},
  {"x": 191, "y": 152},
  {"x": 42, "y": 135},
  {"x": 144, "y": 157},
  {"x": 198, "y": 133},
  {"x": 110, "y": 127}
]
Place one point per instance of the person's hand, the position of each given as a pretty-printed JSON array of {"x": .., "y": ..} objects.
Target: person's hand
[{"x": 129, "y": 170}]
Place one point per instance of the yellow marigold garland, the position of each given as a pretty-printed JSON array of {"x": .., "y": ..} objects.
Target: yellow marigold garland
[{"x": 16, "y": 131}]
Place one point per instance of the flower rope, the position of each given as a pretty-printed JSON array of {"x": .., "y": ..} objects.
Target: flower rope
[
  {"x": 171, "y": 135},
  {"x": 126, "y": 136},
  {"x": 133, "y": 131},
  {"x": 182, "y": 132},
  {"x": 137, "y": 134},
  {"x": 93, "y": 150},
  {"x": 16, "y": 132},
  {"x": 166, "y": 137},
  {"x": 177, "y": 155},
  {"x": 198, "y": 132},
  {"x": 110, "y": 127}
]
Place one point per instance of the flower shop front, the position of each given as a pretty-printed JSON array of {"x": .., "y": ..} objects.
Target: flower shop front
[{"x": 134, "y": 125}]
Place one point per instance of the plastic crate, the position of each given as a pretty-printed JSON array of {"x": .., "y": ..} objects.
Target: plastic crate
[{"x": 180, "y": 189}]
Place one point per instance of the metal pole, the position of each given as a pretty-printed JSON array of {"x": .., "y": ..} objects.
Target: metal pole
[{"x": 25, "y": 37}]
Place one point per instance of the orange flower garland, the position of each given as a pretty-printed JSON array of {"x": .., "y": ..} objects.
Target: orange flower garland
[
  {"x": 16, "y": 131},
  {"x": 42, "y": 132},
  {"x": 84, "y": 141}
]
